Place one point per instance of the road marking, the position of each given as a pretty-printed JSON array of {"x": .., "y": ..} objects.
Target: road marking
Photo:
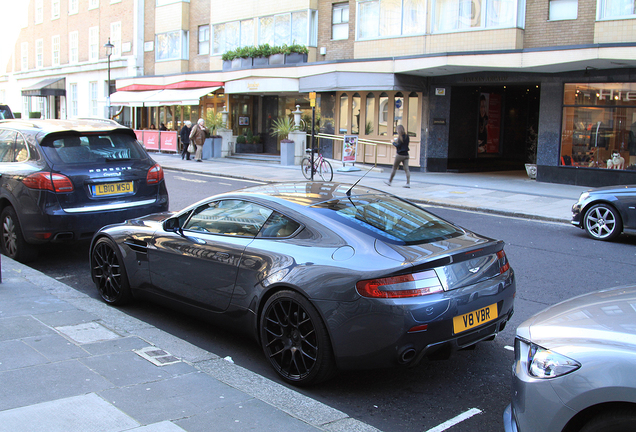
[
  {"x": 455, "y": 420},
  {"x": 189, "y": 180}
]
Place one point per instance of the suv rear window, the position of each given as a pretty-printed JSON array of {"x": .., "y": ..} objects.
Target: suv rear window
[
  {"x": 74, "y": 149},
  {"x": 389, "y": 219},
  {"x": 5, "y": 112}
]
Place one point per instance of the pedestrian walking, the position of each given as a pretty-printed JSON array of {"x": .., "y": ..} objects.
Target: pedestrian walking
[
  {"x": 402, "y": 157},
  {"x": 197, "y": 136},
  {"x": 185, "y": 139}
]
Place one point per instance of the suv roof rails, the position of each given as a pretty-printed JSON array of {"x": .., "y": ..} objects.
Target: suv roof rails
[
  {"x": 98, "y": 119},
  {"x": 21, "y": 121}
]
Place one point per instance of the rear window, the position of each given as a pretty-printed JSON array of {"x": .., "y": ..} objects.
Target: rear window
[
  {"x": 74, "y": 149},
  {"x": 389, "y": 219},
  {"x": 5, "y": 112}
]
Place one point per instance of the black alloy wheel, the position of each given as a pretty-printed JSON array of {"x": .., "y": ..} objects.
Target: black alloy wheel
[
  {"x": 108, "y": 272},
  {"x": 13, "y": 243},
  {"x": 295, "y": 339},
  {"x": 603, "y": 222}
]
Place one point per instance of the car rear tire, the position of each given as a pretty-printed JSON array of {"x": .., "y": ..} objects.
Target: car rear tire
[
  {"x": 612, "y": 421},
  {"x": 603, "y": 222},
  {"x": 108, "y": 272},
  {"x": 13, "y": 243},
  {"x": 295, "y": 339}
]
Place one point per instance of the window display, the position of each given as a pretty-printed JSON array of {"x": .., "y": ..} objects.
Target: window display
[{"x": 599, "y": 126}]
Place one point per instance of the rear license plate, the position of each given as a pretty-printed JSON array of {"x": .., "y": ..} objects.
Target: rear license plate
[
  {"x": 475, "y": 318},
  {"x": 113, "y": 188}
]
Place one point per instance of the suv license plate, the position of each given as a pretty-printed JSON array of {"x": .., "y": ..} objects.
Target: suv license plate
[
  {"x": 113, "y": 188},
  {"x": 476, "y": 318}
]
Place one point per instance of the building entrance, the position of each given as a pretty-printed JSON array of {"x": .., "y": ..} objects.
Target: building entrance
[{"x": 493, "y": 128}]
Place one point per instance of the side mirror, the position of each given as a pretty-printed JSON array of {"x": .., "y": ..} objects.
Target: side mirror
[{"x": 172, "y": 225}]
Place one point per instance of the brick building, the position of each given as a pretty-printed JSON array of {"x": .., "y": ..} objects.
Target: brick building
[{"x": 478, "y": 84}]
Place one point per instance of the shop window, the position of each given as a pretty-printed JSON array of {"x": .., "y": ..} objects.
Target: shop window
[
  {"x": 386, "y": 18},
  {"x": 563, "y": 10},
  {"x": 599, "y": 126},
  {"x": 344, "y": 114},
  {"x": 204, "y": 39},
  {"x": 453, "y": 15},
  {"x": 617, "y": 8},
  {"x": 369, "y": 115},
  {"x": 340, "y": 21},
  {"x": 355, "y": 114},
  {"x": 398, "y": 111},
  {"x": 412, "y": 123},
  {"x": 383, "y": 114}
]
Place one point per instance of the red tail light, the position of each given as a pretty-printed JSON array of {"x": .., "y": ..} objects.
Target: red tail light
[
  {"x": 411, "y": 285},
  {"x": 49, "y": 181},
  {"x": 155, "y": 174},
  {"x": 504, "y": 265}
]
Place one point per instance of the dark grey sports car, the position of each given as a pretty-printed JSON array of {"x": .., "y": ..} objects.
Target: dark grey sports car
[
  {"x": 604, "y": 213},
  {"x": 324, "y": 276}
]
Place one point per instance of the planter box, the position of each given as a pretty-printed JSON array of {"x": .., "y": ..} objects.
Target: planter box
[
  {"x": 246, "y": 63},
  {"x": 227, "y": 65},
  {"x": 277, "y": 59},
  {"x": 261, "y": 61},
  {"x": 236, "y": 63},
  {"x": 249, "y": 148},
  {"x": 294, "y": 58}
]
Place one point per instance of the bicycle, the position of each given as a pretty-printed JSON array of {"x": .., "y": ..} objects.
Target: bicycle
[{"x": 322, "y": 167}]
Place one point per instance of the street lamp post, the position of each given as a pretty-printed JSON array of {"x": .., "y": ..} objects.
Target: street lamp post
[{"x": 109, "y": 51}]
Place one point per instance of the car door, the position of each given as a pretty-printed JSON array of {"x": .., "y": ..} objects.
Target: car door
[{"x": 200, "y": 261}]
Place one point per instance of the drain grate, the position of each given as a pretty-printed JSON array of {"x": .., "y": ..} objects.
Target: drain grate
[{"x": 157, "y": 356}]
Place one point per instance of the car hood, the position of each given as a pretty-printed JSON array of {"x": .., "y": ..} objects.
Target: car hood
[
  {"x": 599, "y": 318},
  {"x": 612, "y": 189}
]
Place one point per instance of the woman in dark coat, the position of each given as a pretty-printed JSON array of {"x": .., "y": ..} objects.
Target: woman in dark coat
[
  {"x": 185, "y": 139},
  {"x": 402, "y": 156}
]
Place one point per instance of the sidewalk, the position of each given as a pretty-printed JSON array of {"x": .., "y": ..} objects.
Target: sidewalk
[
  {"x": 509, "y": 193},
  {"x": 69, "y": 362}
]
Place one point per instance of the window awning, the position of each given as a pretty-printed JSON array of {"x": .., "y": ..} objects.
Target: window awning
[
  {"x": 132, "y": 98},
  {"x": 151, "y": 98},
  {"x": 179, "y": 97},
  {"x": 48, "y": 87}
]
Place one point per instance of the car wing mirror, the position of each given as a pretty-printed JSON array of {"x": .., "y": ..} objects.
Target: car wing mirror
[{"x": 172, "y": 225}]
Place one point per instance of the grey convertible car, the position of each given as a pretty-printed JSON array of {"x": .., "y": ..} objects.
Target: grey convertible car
[
  {"x": 324, "y": 276},
  {"x": 604, "y": 213}
]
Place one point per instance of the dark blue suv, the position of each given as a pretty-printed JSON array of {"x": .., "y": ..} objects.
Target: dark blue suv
[{"x": 62, "y": 180}]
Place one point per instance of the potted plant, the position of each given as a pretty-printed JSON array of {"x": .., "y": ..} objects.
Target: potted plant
[
  {"x": 295, "y": 53},
  {"x": 261, "y": 55},
  {"x": 277, "y": 55},
  {"x": 212, "y": 146},
  {"x": 281, "y": 128},
  {"x": 227, "y": 58},
  {"x": 245, "y": 54},
  {"x": 531, "y": 153}
]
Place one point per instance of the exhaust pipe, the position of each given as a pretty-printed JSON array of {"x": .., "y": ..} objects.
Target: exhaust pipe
[{"x": 406, "y": 355}]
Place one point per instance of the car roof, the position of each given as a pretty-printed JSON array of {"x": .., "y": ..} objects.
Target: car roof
[
  {"x": 308, "y": 193},
  {"x": 38, "y": 126}
]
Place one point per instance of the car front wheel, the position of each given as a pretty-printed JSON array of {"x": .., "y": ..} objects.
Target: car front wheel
[
  {"x": 295, "y": 339},
  {"x": 108, "y": 272},
  {"x": 603, "y": 222},
  {"x": 13, "y": 243}
]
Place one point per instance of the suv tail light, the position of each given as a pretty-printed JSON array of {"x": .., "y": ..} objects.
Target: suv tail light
[
  {"x": 49, "y": 181},
  {"x": 410, "y": 285},
  {"x": 155, "y": 174}
]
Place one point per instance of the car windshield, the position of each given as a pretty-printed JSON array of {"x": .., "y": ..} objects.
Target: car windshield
[
  {"x": 389, "y": 218},
  {"x": 74, "y": 149}
]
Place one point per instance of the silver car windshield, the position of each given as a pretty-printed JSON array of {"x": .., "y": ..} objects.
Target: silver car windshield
[{"x": 389, "y": 219}]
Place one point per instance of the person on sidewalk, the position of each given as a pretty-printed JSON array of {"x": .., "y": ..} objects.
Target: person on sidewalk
[
  {"x": 197, "y": 136},
  {"x": 402, "y": 156},
  {"x": 185, "y": 139}
]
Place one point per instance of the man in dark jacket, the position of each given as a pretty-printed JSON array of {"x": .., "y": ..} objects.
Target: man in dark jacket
[{"x": 185, "y": 139}]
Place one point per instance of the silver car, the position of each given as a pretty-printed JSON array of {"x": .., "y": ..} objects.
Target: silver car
[{"x": 574, "y": 366}]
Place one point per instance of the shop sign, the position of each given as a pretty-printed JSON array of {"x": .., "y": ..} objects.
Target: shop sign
[
  {"x": 440, "y": 92},
  {"x": 439, "y": 121},
  {"x": 350, "y": 148}
]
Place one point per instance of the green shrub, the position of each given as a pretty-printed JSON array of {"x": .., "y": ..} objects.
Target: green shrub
[{"x": 241, "y": 139}]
